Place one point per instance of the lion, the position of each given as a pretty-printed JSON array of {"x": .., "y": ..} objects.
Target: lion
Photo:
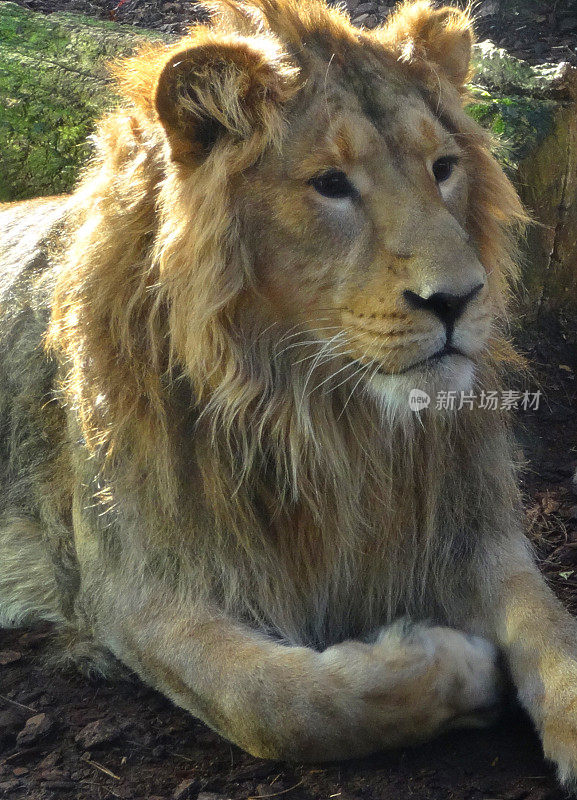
[{"x": 210, "y": 468}]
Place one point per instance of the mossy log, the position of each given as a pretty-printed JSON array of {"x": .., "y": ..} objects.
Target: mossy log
[{"x": 53, "y": 84}]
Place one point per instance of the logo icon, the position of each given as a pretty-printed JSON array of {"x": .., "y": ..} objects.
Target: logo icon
[{"x": 418, "y": 400}]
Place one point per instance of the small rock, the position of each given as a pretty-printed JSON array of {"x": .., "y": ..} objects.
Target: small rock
[
  {"x": 96, "y": 734},
  {"x": 487, "y": 9},
  {"x": 50, "y": 761},
  {"x": 19, "y": 771},
  {"x": 53, "y": 775},
  {"x": 9, "y": 657},
  {"x": 6, "y": 787},
  {"x": 185, "y": 788},
  {"x": 36, "y": 727},
  {"x": 210, "y": 796}
]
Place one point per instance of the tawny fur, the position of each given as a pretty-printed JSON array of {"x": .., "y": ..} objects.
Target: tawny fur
[{"x": 229, "y": 490}]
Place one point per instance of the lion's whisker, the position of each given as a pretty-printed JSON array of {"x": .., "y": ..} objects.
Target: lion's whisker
[
  {"x": 327, "y": 345},
  {"x": 363, "y": 375},
  {"x": 350, "y": 377},
  {"x": 306, "y": 343},
  {"x": 314, "y": 355},
  {"x": 303, "y": 328},
  {"x": 348, "y": 365},
  {"x": 309, "y": 331},
  {"x": 266, "y": 330},
  {"x": 363, "y": 371}
]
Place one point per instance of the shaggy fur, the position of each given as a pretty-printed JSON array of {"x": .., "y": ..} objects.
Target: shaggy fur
[{"x": 209, "y": 464}]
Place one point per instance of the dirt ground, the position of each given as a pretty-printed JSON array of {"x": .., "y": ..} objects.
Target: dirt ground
[
  {"x": 536, "y": 30},
  {"x": 64, "y": 736}
]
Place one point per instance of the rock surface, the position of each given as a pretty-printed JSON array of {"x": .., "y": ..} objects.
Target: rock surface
[
  {"x": 37, "y": 727},
  {"x": 96, "y": 734}
]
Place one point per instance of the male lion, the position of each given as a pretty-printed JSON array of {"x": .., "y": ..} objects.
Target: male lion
[{"x": 209, "y": 467}]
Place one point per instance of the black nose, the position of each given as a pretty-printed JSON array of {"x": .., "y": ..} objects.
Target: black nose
[{"x": 447, "y": 307}]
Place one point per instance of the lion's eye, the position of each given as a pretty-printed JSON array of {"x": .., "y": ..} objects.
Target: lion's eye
[
  {"x": 334, "y": 184},
  {"x": 443, "y": 168}
]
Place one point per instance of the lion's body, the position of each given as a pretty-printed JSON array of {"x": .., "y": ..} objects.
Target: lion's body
[
  {"x": 32, "y": 426},
  {"x": 296, "y": 575},
  {"x": 197, "y": 473}
]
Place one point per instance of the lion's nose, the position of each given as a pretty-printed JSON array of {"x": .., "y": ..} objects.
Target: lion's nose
[{"x": 444, "y": 305}]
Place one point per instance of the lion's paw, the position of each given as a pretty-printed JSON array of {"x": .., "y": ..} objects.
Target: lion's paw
[
  {"x": 560, "y": 747},
  {"x": 466, "y": 676},
  {"x": 478, "y": 684}
]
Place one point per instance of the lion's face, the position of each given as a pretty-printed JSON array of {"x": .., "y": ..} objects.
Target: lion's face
[
  {"x": 368, "y": 212},
  {"x": 366, "y": 241}
]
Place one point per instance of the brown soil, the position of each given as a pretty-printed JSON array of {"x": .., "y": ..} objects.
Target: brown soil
[{"x": 137, "y": 745}]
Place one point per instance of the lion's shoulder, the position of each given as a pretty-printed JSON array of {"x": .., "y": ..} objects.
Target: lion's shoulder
[{"x": 26, "y": 227}]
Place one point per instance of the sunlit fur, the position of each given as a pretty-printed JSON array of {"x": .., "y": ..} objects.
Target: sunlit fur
[
  {"x": 159, "y": 293},
  {"x": 235, "y": 462},
  {"x": 160, "y": 282}
]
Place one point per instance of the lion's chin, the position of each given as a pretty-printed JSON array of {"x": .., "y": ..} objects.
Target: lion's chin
[{"x": 405, "y": 395}]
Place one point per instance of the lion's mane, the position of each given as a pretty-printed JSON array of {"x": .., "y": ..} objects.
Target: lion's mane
[{"x": 169, "y": 377}]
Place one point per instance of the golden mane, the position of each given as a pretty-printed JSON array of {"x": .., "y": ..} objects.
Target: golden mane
[{"x": 150, "y": 321}]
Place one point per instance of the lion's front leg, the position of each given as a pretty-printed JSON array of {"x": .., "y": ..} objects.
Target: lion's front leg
[
  {"x": 539, "y": 639},
  {"x": 293, "y": 702}
]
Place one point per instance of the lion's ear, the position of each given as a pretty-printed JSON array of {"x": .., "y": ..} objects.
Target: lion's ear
[
  {"x": 443, "y": 36},
  {"x": 222, "y": 86}
]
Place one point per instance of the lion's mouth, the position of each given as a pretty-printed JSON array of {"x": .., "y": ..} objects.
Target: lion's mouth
[{"x": 447, "y": 350}]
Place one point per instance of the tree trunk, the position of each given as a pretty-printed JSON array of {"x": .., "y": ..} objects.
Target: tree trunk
[{"x": 533, "y": 112}]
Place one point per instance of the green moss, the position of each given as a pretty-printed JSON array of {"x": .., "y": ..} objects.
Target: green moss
[
  {"x": 53, "y": 85},
  {"x": 103, "y": 24},
  {"x": 519, "y": 123}
]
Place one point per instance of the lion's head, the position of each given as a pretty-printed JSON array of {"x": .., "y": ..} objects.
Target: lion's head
[{"x": 288, "y": 211}]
